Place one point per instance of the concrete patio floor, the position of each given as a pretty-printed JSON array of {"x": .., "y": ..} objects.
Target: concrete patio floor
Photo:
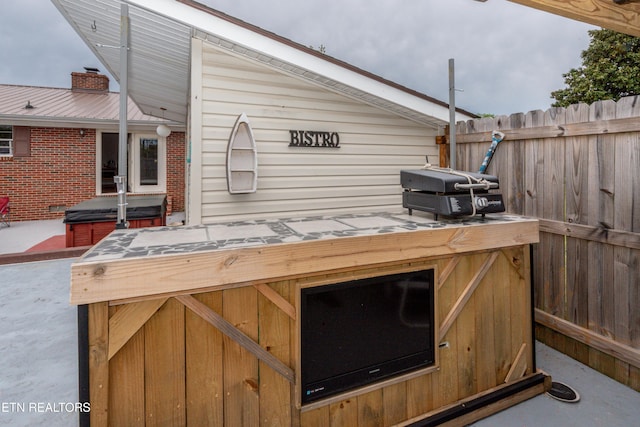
[
  {"x": 39, "y": 363},
  {"x": 22, "y": 235}
]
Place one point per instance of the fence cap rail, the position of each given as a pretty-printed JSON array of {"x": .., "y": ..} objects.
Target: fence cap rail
[{"x": 600, "y": 127}]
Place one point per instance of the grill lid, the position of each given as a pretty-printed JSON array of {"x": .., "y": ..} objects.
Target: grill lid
[{"x": 438, "y": 180}]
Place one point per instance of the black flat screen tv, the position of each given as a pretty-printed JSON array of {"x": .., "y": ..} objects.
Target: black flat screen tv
[{"x": 359, "y": 332}]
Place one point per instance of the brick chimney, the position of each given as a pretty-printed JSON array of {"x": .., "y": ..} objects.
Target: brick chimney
[{"x": 89, "y": 81}]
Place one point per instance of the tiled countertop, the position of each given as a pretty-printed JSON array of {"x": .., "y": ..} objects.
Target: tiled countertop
[
  {"x": 142, "y": 242},
  {"x": 151, "y": 262}
]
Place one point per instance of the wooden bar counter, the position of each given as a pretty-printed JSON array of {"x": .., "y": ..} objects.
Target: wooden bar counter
[{"x": 199, "y": 325}]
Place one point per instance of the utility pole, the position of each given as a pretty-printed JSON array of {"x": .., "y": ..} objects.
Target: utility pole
[{"x": 452, "y": 114}]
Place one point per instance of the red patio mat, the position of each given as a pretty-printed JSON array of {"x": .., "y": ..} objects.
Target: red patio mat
[{"x": 55, "y": 242}]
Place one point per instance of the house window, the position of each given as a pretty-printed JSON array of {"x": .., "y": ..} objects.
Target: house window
[{"x": 6, "y": 140}]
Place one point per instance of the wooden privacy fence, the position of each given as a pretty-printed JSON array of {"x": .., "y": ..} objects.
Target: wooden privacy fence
[{"x": 578, "y": 171}]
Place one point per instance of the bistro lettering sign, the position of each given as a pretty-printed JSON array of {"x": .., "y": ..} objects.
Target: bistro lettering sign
[{"x": 309, "y": 138}]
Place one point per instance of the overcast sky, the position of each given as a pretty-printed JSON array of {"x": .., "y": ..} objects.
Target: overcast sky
[{"x": 508, "y": 58}]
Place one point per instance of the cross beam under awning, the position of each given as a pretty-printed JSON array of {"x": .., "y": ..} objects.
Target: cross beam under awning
[{"x": 623, "y": 17}]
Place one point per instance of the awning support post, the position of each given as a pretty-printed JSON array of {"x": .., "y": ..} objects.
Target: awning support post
[{"x": 121, "y": 179}]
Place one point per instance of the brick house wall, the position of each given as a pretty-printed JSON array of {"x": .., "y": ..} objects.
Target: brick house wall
[
  {"x": 176, "y": 163},
  {"x": 60, "y": 172}
]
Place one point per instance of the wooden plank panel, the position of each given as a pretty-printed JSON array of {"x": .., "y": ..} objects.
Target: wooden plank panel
[
  {"x": 517, "y": 197},
  {"x": 600, "y": 171},
  {"x": 576, "y": 211},
  {"x": 515, "y": 168},
  {"x": 274, "y": 325},
  {"x": 554, "y": 172},
  {"x": 470, "y": 158},
  {"x": 394, "y": 402},
  {"x": 467, "y": 293},
  {"x": 320, "y": 417},
  {"x": 99, "y": 363},
  {"x": 485, "y": 324},
  {"x": 203, "y": 358},
  {"x": 236, "y": 334},
  {"x": 241, "y": 376},
  {"x": 534, "y": 205},
  {"x": 128, "y": 320},
  {"x": 553, "y": 246},
  {"x": 126, "y": 382},
  {"x": 626, "y": 159},
  {"x": 600, "y": 270},
  {"x": 165, "y": 366},
  {"x": 423, "y": 396},
  {"x": 576, "y": 297},
  {"x": 465, "y": 332},
  {"x": 501, "y": 279},
  {"x": 343, "y": 413},
  {"x": 419, "y": 396},
  {"x": 521, "y": 305},
  {"x": 534, "y": 169},
  {"x": 370, "y": 409}
]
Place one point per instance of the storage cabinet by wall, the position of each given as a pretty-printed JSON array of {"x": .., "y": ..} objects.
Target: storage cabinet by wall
[{"x": 206, "y": 331}]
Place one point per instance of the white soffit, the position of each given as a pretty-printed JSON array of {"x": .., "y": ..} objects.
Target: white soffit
[{"x": 160, "y": 51}]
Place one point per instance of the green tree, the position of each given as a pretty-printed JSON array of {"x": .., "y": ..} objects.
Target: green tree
[{"x": 610, "y": 70}]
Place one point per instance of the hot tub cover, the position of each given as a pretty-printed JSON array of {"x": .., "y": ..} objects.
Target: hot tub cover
[{"x": 102, "y": 209}]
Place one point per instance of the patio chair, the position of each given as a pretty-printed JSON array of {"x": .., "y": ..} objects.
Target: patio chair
[{"x": 5, "y": 211}]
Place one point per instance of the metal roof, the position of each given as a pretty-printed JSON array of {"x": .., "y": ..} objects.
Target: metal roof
[
  {"x": 65, "y": 107},
  {"x": 160, "y": 49}
]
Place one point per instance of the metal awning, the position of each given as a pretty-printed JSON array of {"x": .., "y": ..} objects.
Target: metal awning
[{"x": 159, "y": 52}]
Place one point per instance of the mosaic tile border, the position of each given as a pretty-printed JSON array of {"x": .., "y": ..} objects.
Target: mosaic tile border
[{"x": 121, "y": 243}]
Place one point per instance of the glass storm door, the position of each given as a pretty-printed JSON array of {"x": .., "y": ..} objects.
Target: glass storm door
[
  {"x": 146, "y": 171},
  {"x": 148, "y": 163}
]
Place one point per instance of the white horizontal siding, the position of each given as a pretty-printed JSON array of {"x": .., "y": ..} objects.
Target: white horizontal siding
[{"x": 361, "y": 175}]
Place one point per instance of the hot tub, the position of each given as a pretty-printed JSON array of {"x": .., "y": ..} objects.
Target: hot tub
[{"x": 90, "y": 221}]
